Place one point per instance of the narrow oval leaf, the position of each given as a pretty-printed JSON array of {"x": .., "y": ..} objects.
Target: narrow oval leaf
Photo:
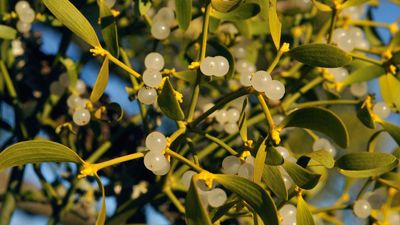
[
  {"x": 364, "y": 115},
  {"x": 322, "y": 55},
  {"x": 259, "y": 162},
  {"x": 392, "y": 129},
  {"x": 72, "y": 18},
  {"x": 390, "y": 89},
  {"x": 219, "y": 212},
  {"x": 101, "y": 82},
  {"x": 273, "y": 179},
  {"x": 71, "y": 71},
  {"x": 323, "y": 157},
  {"x": 109, "y": 28},
  {"x": 391, "y": 179},
  {"x": 301, "y": 177},
  {"x": 364, "y": 73},
  {"x": 7, "y": 32},
  {"x": 168, "y": 103},
  {"x": 321, "y": 6},
  {"x": 36, "y": 151},
  {"x": 224, "y": 5},
  {"x": 366, "y": 164},
  {"x": 275, "y": 26},
  {"x": 242, "y": 12},
  {"x": 101, "y": 217},
  {"x": 319, "y": 119},
  {"x": 195, "y": 213},
  {"x": 223, "y": 51},
  {"x": 349, "y": 3},
  {"x": 303, "y": 213},
  {"x": 183, "y": 9},
  {"x": 142, "y": 6},
  {"x": 274, "y": 158},
  {"x": 253, "y": 194}
]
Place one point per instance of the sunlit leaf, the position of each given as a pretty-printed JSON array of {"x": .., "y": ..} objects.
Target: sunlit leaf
[
  {"x": 321, "y": 6},
  {"x": 259, "y": 162},
  {"x": 322, "y": 55},
  {"x": 72, "y": 18},
  {"x": 303, "y": 213},
  {"x": 275, "y": 25},
  {"x": 195, "y": 213},
  {"x": 364, "y": 73},
  {"x": 101, "y": 82},
  {"x": 391, "y": 179},
  {"x": 253, "y": 194},
  {"x": 183, "y": 9},
  {"x": 323, "y": 157},
  {"x": 242, "y": 12},
  {"x": 71, "y": 71},
  {"x": 350, "y": 3},
  {"x": 390, "y": 89},
  {"x": 224, "y": 5},
  {"x": 366, "y": 164},
  {"x": 142, "y": 6},
  {"x": 7, "y": 32},
  {"x": 101, "y": 217},
  {"x": 109, "y": 28},
  {"x": 168, "y": 103},
  {"x": 273, "y": 179},
  {"x": 274, "y": 157},
  {"x": 319, "y": 119},
  {"x": 300, "y": 176},
  {"x": 36, "y": 151},
  {"x": 392, "y": 129}
]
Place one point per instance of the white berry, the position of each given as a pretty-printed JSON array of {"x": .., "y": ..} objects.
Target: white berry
[
  {"x": 340, "y": 74},
  {"x": 23, "y": 27},
  {"x": 222, "y": 116},
  {"x": 231, "y": 164},
  {"x": 187, "y": 178},
  {"x": 233, "y": 115},
  {"x": 81, "y": 117},
  {"x": 152, "y": 78},
  {"x": 208, "y": 66},
  {"x": 164, "y": 170},
  {"x": 275, "y": 90},
  {"x": 155, "y": 61},
  {"x": 216, "y": 197},
  {"x": 155, "y": 161},
  {"x": 22, "y": 6},
  {"x": 359, "y": 89},
  {"x": 362, "y": 208},
  {"x": 288, "y": 210},
  {"x": 222, "y": 66},
  {"x": 27, "y": 15},
  {"x": 160, "y": 30},
  {"x": 245, "y": 79},
  {"x": 73, "y": 101},
  {"x": 165, "y": 15},
  {"x": 246, "y": 170},
  {"x": 243, "y": 66},
  {"x": 260, "y": 80},
  {"x": 80, "y": 87},
  {"x": 110, "y": 3},
  {"x": 147, "y": 96},
  {"x": 282, "y": 151},
  {"x": 156, "y": 141},
  {"x": 324, "y": 144},
  {"x": 381, "y": 109}
]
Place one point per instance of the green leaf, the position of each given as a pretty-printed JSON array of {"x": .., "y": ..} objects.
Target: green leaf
[
  {"x": 253, "y": 194},
  {"x": 224, "y": 5},
  {"x": 36, "y": 151},
  {"x": 303, "y": 213},
  {"x": 109, "y": 28},
  {"x": 168, "y": 103},
  {"x": 323, "y": 157},
  {"x": 274, "y": 158},
  {"x": 390, "y": 89},
  {"x": 183, "y": 9},
  {"x": 364, "y": 115},
  {"x": 364, "y": 73},
  {"x": 219, "y": 212},
  {"x": 224, "y": 51},
  {"x": 188, "y": 76},
  {"x": 273, "y": 179},
  {"x": 319, "y": 119},
  {"x": 195, "y": 212},
  {"x": 301, "y": 177},
  {"x": 142, "y": 6},
  {"x": 349, "y": 3},
  {"x": 259, "y": 162},
  {"x": 101, "y": 82},
  {"x": 113, "y": 113},
  {"x": 242, "y": 12},
  {"x": 72, "y": 18},
  {"x": 71, "y": 71},
  {"x": 101, "y": 217},
  {"x": 391, "y": 179},
  {"x": 392, "y": 129},
  {"x": 322, "y": 55},
  {"x": 213, "y": 25},
  {"x": 366, "y": 164},
  {"x": 243, "y": 122},
  {"x": 321, "y": 6},
  {"x": 374, "y": 140},
  {"x": 275, "y": 25},
  {"x": 7, "y": 32}
]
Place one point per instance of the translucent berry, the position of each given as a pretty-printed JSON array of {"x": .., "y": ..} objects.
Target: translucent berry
[
  {"x": 340, "y": 74},
  {"x": 82, "y": 103},
  {"x": 154, "y": 61},
  {"x": 216, "y": 197},
  {"x": 222, "y": 66},
  {"x": 165, "y": 14},
  {"x": 381, "y": 109},
  {"x": 23, "y": 27},
  {"x": 155, "y": 161},
  {"x": 324, "y": 144},
  {"x": 246, "y": 170},
  {"x": 187, "y": 177},
  {"x": 288, "y": 181},
  {"x": 80, "y": 87},
  {"x": 81, "y": 117},
  {"x": 163, "y": 171},
  {"x": 156, "y": 141},
  {"x": 260, "y": 80},
  {"x": 64, "y": 80},
  {"x": 359, "y": 89},
  {"x": 222, "y": 116},
  {"x": 394, "y": 218},
  {"x": 73, "y": 101},
  {"x": 338, "y": 34},
  {"x": 147, "y": 96},
  {"x": 231, "y": 164},
  {"x": 250, "y": 160},
  {"x": 275, "y": 90},
  {"x": 152, "y": 78},
  {"x": 356, "y": 34},
  {"x": 245, "y": 79},
  {"x": 231, "y": 128},
  {"x": 282, "y": 151},
  {"x": 233, "y": 115},
  {"x": 160, "y": 30},
  {"x": 362, "y": 44},
  {"x": 239, "y": 51},
  {"x": 22, "y": 6},
  {"x": 56, "y": 89},
  {"x": 208, "y": 66},
  {"x": 243, "y": 66},
  {"x": 288, "y": 210},
  {"x": 362, "y": 208},
  {"x": 27, "y": 15}
]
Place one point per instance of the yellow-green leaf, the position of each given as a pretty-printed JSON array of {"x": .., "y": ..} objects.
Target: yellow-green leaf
[
  {"x": 243, "y": 121},
  {"x": 101, "y": 82},
  {"x": 71, "y": 71},
  {"x": 274, "y": 157},
  {"x": 253, "y": 194},
  {"x": 321, "y": 6},
  {"x": 188, "y": 76},
  {"x": 273, "y": 179},
  {"x": 366, "y": 164},
  {"x": 323, "y": 157},
  {"x": 259, "y": 162},
  {"x": 195, "y": 212},
  {"x": 300, "y": 176},
  {"x": 322, "y": 55},
  {"x": 7, "y": 32},
  {"x": 391, "y": 179},
  {"x": 275, "y": 25},
  {"x": 364, "y": 115},
  {"x": 364, "y": 73},
  {"x": 36, "y": 151},
  {"x": 168, "y": 103},
  {"x": 183, "y": 9},
  {"x": 392, "y": 129},
  {"x": 101, "y": 217},
  {"x": 72, "y": 18},
  {"x": 142, "y": 6},
  {"x": 225, "y": 5},
  {"x": 390, "y": 89},
  {"x": 303, "y": 213},
  {"x": 349, "y": 3},
  {"x": 242, "y": 12},
  {"x": 319, "y": 119},
  {"x": 109, "y": 28}
]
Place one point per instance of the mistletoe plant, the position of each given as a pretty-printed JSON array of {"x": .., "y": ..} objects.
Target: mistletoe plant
[{"x": 247, "y": 110}]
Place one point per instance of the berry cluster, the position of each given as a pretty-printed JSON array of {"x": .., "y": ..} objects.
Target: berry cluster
[
  {"x": 154, "y": 160},
  {"x": 214, "y": 66},
  {"x": 324, "y": 144},
  {"x": 228, "y": 120},
  {"x": 349, "y": 39},
  {"x": 152, "y": 78},
  {"x": 234, "y": 165},
  {"x": 26, "y": 16},
  {"x": 162, "y": 23},
  {"x": 261, "y": 81},
  {"x": 77, "y": 105}
]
